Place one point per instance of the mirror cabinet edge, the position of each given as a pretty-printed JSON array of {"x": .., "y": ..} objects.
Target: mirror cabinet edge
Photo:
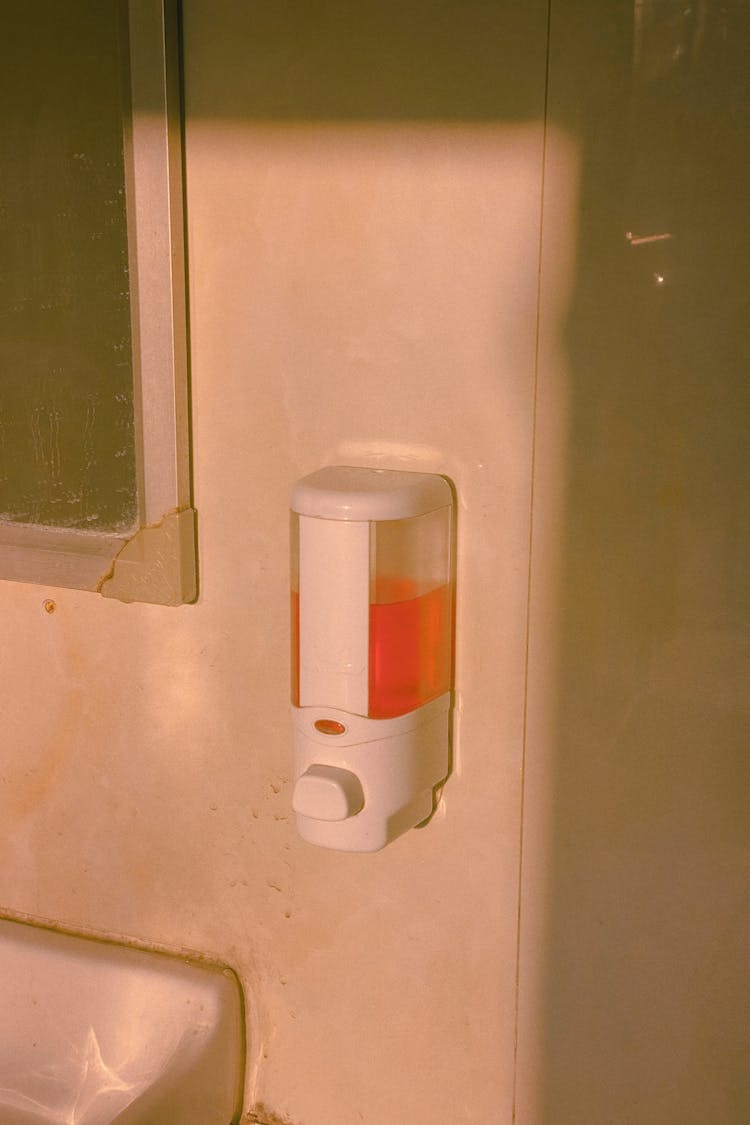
[{"x": 156, "y": 562}]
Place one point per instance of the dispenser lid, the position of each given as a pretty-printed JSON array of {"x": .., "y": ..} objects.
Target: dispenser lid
[{"x": 345, "y": 492}]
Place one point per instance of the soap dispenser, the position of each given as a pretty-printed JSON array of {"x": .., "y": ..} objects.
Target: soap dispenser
[{"x": 372, "y": 595}]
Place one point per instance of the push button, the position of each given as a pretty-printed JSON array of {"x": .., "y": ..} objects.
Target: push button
[{"x": 328, "y": 793}]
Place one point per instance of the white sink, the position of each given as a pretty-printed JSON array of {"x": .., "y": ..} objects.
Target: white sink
[{"x": 93, "y": 1033}]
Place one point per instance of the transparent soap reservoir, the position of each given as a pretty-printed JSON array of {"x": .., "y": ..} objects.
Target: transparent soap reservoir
[
  {"x": 378, "y": 640},
  {"x": 410, "y": 613}
]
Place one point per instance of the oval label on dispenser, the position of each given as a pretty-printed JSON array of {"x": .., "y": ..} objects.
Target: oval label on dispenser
[{"x": 329, "y": 726}]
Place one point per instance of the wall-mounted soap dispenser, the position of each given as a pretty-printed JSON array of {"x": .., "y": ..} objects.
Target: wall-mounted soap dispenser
[{"x": 372, "y": 652}]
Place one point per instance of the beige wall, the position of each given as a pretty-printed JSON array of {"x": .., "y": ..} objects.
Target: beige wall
[
  {"x": 363, "y": 288},
  {"x": 364, "y": 188}
]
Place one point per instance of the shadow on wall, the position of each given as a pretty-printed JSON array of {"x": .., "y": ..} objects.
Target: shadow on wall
[
  {"x": 648, "y": 972},
  {"x": 374, "y": 61}
]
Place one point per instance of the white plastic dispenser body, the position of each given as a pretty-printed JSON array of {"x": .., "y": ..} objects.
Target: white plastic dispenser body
[{"x": 372, "y": 652}]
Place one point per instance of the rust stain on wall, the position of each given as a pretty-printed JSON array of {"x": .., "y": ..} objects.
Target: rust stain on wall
[
  {"x": 262, "y": 1115},
  {"x": 40, "y": 776},
  {"x": 40, "y": 779}
]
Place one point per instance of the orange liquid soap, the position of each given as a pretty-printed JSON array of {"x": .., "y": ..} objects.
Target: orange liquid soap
[{"x": 410, "y": 651}]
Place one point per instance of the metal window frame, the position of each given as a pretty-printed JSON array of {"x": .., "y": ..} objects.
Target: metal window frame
[{"x": 156, "y": 561}]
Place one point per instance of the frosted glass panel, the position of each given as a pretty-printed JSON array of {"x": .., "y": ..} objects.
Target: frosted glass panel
[
  {"x": 647, "y": 911},
  {"x": 67, "y": 448}
]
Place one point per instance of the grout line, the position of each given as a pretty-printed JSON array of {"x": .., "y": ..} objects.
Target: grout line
[{"x": 528, "y": 586}]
